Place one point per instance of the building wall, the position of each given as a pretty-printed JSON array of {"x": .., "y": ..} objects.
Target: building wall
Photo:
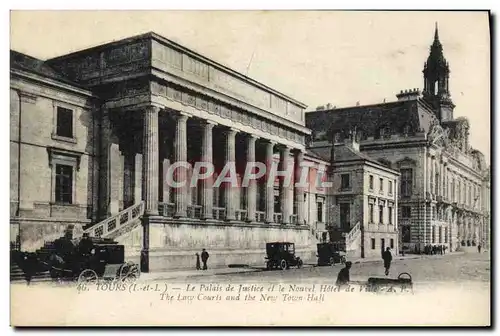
[{"x": 33, "y": 143}]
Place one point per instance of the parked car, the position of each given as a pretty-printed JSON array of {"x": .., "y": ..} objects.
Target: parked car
[
  {"x": 281, "y": 255},
  {"x": 328, "y": 254}
]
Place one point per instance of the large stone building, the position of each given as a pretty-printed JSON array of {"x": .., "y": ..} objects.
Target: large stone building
[
  {"x": 444, "y": 190},
  {"x": 93, "y": 134}
]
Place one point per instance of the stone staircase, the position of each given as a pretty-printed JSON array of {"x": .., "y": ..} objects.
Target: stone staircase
[
  {"x": 119, "y": 224},
  {"x": 353, "y": 241}
]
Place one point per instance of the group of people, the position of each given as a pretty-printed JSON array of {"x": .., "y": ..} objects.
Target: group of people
[
  {"x": 204, "y": 259},
  {"x": 435, "y": 249}
]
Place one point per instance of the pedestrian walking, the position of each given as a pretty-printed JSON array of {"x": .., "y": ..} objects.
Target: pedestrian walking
[
  {"x": 343, "y": 277},
  {"x": 387, "y": 257},
  {"x": 198, "y": 264},
  {"x": 204, "y": 258},
  {"x": 479, "y": 248}
]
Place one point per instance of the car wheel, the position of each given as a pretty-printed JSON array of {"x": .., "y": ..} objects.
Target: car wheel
[
  {"x": 299, "y": 263},
  {"x": 283, "y": 264},
  {"x": 269, "y": 266},
  {"x": 332, "y": 261},
  {"x": 343, "y": 260}
]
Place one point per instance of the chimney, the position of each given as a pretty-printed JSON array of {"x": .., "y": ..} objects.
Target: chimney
[
  {"x": 320, "y": 108},
  {"x": 411, "y": 94},
  {"x": 328, "y": 106}
]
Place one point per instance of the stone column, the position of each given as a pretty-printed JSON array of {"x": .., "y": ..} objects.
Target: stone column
[
  {"x": 104, "y": 161},
  {"x": 150, "y": 163},
  {"x": 229, "y": 197},
  {"x": 150, "y": 175},
  {"x": 299, "y": 192},
  {"x": 269, "y": 186},
  {"x": 180, "y": 155},
  {"x": 207, "y": 196},
  {"x": 285, "y": 186},
  {"x": 251, "y": 190},
  {"x": 429, "y": 172}
]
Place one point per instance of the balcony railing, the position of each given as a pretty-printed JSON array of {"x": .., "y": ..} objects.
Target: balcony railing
[
  {"x": 219, "y": 213},
  {"x": 194, "y": 211},
  {"x": 260, "y": 216},
  {"x": 278, "y": 217},
  {"x": 241, "y": 215},
  {"x": 166, "y": 209}
]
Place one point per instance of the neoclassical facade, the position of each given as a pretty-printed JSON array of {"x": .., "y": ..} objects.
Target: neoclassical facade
[
  {"x": 444, "y": 189},
  {"x": 93, "y": 134}
]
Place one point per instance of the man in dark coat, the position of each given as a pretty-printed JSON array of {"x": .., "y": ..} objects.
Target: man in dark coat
[
  {"x": 387, "y": 257},
  {"x": 204, "y": 258},
  {"x": 343, "y": 277},
  {"x": 479, "y": 248}
]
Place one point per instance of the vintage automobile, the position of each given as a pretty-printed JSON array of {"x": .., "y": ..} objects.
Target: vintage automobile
[
  {"x": 329, "y": 254},
  {"x": 84, "y": 259},
  {"x": 281, "y": 255}
]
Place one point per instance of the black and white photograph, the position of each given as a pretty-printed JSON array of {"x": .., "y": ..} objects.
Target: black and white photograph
[{"x": 250, "y": 168}]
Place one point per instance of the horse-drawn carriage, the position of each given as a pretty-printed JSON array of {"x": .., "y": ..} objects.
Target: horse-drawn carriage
[{"x": 84, "y": 259}]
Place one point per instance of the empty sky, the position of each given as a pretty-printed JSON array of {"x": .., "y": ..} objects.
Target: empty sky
[{"x": 316, "y": 57}]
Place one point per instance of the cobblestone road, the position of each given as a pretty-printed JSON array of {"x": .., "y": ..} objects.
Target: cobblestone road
[{"x": 460, "y": 268}]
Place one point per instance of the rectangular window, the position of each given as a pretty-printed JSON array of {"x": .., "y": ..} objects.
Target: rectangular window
[
  {"x": 392, "y": 243},
  {"x": 433, "y": 234},
  {"x": 345, "y": 216},
  {"x": 440, "y": 232},
  {"x": 445, "y": 235},
  {"x": 406, "y": 181},
  {"x": 373, "y": 243},
  {"x": 64, "y": 184},
  {"x": 381, "y": 181},
  {"x": 371, "y": 182},
  {"x": 64, "y": 125},
  {"x": 390, "y": 187},
  {"x": 320, "y": 211},
  {"x": 345, "y": 181},
  {"x": 371, "y": 212},
  {"x": 381, "y": 214},
  {"x": 406, "y": 212},
  {"x": 390, "y": 214}
]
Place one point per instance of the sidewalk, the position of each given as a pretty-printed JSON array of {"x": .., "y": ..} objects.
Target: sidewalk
[
  {"x": 176, "y": 274},
  {"x": 186, "y": 273},
  {"x": 406, "y": 257}
]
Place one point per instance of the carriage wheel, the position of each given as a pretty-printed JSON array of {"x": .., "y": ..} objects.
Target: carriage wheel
[
  {"x": 299, "y": 263},
  {"x": 283, "y": 264},
  {"x": 88, "y": 276},
  {"x": 129, "y": 272}
]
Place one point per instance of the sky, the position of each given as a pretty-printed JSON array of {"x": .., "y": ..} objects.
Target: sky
[{"x": 316, "y": 57}]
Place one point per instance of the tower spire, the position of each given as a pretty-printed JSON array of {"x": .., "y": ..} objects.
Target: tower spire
[{"x": 436, "y": 77}]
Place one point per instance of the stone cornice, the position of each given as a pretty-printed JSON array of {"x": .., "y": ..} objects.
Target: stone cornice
[
  {"x": 51, "y": 82},
  {"x": 228, "y": 100}
]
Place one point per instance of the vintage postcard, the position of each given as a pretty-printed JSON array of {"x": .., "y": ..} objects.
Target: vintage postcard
[{"x": 250, "y": 168}]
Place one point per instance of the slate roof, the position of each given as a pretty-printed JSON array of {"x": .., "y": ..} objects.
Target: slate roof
[
  {"x": 25, "y": 62},
  {"x": 415, "y": 115}
]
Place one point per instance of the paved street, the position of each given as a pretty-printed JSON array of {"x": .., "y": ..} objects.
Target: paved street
[{"x": 471, "y": 267}]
